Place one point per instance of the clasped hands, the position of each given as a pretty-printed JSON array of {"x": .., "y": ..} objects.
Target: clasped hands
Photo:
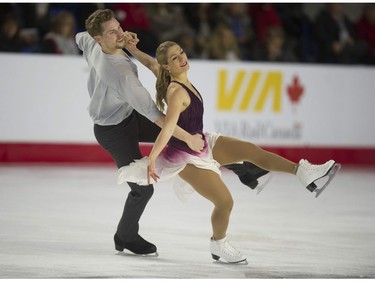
[{"x": 131, "y": 38}]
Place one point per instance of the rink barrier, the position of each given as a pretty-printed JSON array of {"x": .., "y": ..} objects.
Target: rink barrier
[
  {"x": 308, "y": 111},
  {"x": 55, "y": 153}
]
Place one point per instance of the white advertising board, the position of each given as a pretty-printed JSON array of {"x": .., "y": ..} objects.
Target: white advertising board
[{"x": 44, "y": 99}]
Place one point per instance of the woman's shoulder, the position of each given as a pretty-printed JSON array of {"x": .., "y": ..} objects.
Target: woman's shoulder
[
  {"x": 173, "y": 85},
  {"x": 176, "y": 90}
]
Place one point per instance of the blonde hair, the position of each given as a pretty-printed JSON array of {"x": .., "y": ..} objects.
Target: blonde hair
[{"x": 164, "y": 78}]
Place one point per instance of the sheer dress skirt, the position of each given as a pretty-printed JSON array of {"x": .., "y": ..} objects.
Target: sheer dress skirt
[{"x": 168, "y": 168}]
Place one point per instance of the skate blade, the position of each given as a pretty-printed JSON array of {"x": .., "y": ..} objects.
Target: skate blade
[
  {"x": 262, "y": 185},
  {"x": 331, "y": 174},
  {"x": 131, "y": 254},
  {"x": 222, "y": 261}
]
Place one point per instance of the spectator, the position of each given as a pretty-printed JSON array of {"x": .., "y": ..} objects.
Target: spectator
[
  {"x": 33, "y": 17},
  {"x": 134, "y": 17},
  {"x": 40, "y": 19},
  {"x": 202, "y": 17},
  {"x": 169, "y": 21},
  {"x": 188, "y": 43},
  {"x": 60, "y": 40},
  {"x": 263, "y": 16},
  {"x": 365, "y": 28},
  {"x": 236, "y": 17},
  {"x": 12, "y": 38},
  {"x": 223, "y": 44},
  {"x": 335, "y": 36},
  {"x": 298, "y": 30},
  {"x": 274, "y": 48}
]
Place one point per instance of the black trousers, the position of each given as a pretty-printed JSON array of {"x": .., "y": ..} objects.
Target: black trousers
[{"x": 122, "y": 143}]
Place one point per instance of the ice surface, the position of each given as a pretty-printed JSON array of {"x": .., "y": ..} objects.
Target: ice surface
[{"x": 59, "y": 221}]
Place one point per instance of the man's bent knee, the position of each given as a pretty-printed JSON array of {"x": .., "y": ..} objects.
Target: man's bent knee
[{"x": 141, "y": 191}]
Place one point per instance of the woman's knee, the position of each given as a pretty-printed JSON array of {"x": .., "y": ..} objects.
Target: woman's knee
[
  {"x": 229, "y": 150},
  {"x": 225, "y": 204}
]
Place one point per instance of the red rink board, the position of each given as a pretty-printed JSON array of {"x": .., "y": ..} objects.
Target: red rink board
[{"x": 93, "y": 153}]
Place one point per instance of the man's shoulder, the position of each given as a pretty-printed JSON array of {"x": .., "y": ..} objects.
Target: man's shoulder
[{"x": 122, "y": 67}]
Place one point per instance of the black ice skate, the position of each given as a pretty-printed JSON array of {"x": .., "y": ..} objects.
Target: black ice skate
[
  {"x": 254, "y": 177},
  {"x": 317, "y": 177},
  {"x": 139, "y": 247}
]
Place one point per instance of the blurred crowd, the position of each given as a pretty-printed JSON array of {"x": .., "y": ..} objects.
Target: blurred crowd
[{"x": 279, "y": 32}]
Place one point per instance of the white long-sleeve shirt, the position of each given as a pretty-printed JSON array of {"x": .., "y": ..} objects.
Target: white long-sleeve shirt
[{"x": 113, "y": 85}]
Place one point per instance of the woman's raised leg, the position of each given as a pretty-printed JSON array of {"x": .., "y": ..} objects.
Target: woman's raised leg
[{"x": 229, "y": 150}]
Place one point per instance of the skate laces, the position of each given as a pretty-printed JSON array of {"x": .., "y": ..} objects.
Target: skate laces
[
  {"x": 308, "y": 173},
  {"x": 306, "y": 165}
]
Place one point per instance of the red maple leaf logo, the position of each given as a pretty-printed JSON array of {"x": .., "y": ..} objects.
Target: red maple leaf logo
[{"x": 295, "y": 90}]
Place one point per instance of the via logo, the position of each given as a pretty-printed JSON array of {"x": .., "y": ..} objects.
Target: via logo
[{"x": 255, "y": 90}]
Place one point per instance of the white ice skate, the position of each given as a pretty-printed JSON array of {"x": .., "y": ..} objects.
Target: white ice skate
[
  {"x": 222, "y": 250},
  {"x": 309, "y": 175}
]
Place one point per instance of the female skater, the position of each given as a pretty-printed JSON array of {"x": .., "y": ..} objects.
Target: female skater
[{"x": 201, "y": 170}]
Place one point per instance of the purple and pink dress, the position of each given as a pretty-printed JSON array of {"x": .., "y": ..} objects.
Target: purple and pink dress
[{"x": 177, "y": 154}]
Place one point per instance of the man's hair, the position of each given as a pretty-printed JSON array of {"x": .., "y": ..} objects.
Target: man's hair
[{"x": 94, "y": 22}]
